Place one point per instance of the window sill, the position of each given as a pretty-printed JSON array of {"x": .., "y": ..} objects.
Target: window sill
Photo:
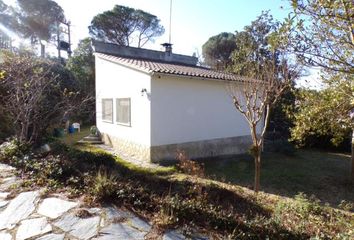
[
  {"x": 124, "y": 124},
  {"x": 106, "y": 121}
]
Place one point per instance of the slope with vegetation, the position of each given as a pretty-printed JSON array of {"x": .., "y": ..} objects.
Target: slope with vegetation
[{"x": 176, "y": 199}]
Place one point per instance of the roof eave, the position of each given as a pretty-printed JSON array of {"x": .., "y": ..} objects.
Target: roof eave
[
  {"x": 190, "y": 77},
  {"x": 130, "y": 66}
]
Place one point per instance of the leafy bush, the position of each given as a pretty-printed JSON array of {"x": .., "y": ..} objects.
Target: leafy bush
[
  {"x": 104, "y": 184},
  {"x": 321, "y": 116},
  {"x": 305, "y": 214},
  {"x": 346, "y": 206},
  {"x": 93, "y": 130},
  {"x": 13, "y": 149}
]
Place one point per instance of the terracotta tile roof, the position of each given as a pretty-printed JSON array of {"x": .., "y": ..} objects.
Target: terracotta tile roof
[{"x": 150, "y": 66}]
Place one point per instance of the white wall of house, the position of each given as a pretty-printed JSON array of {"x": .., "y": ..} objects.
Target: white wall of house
[
  {"x": 116, "y": 81},
  {"x": 187, "y": 109}
]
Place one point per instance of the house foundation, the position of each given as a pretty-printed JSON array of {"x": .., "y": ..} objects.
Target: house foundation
[
  {"x": 202, "y": 149},
  {"x": 194, "y": 150},
  {"x": 132, "y": 149}
]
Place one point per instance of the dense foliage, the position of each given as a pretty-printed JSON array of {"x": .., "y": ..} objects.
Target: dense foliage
[
  {"x": 321, "y": 33},
  {"x": 217, "y": 50},
  {"x": 124, "y": 25},
  {"x": 326, "y": 42},
  {"x": 5, "y": 17},
  {"x": 36, "y": 97},
  {"x": 325, "y": 114},
  {"x": 36, "y": 20},
  {"x": 255, "y": 46},
  {"x": 39, "y": 18},
  {"x": 82, "y": 66}
]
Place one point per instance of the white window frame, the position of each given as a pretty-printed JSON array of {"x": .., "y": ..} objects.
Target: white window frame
[
  {"x": 110, "y": 120},
  {"x": 130, "y": 112}
]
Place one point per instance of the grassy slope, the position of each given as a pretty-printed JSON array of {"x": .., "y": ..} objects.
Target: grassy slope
[
  {"x": 324, "y": 175},
  {"x": 307, "y": 170},
  {"x": 73, "y": 138}
]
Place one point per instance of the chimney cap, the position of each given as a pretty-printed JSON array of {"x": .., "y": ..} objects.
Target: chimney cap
[
  {"x": 168, "y": 47},
  {"x": 167, "y": 44}
]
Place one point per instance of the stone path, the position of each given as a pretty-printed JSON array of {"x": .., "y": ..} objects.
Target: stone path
[{"x": 29, "y": 216}]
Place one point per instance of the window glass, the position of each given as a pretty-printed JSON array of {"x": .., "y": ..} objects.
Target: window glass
[
  {"x": 107, "y": 109},
  {"x": 123, "y": 110}
]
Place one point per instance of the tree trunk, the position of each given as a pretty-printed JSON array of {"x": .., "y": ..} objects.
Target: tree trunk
[
  {"x": 42, "y": 50},
  {"x": 257, "y": 173},
  {"x": 352, "y": 169}
]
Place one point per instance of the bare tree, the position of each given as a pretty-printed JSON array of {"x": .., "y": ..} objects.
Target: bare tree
[
  {"x": 254, "y": 98},
  {"x": 36, "y": 93}
]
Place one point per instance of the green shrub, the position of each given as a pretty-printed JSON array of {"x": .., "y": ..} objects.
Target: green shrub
[
  {"x": 346, "y": 206},
  {"x": 104, "y": 184},
  {"x": 305, "y": 214},
  {"x": 94, "y": 130},
  {"x": 302, "y": 208},
  {"x": 13, "y": 149},
  {"x": 49, "y": 167}
]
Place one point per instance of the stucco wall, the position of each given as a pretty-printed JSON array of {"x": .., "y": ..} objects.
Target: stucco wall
[
  {"x": 190, "y": 109},
  {"x": 202, "y": 149},
  {"x": 115, "y": 81},
  {"x": 176, "y": 113}
]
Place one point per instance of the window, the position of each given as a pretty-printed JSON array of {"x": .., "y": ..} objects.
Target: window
[
  {"x": 107, "y": 110},
  {"x": 123, "y": 110}
]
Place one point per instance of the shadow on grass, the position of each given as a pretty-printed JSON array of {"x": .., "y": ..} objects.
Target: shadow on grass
[
  {"x": 321, "y": 174},
  {"x": 207, "y": 206}
]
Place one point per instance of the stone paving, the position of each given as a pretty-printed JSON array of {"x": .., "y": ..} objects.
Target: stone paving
[{"x": 30, "y": 216}]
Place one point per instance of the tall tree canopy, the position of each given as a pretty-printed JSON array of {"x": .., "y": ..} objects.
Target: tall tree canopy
[
  {"x": 8, "y": 21},
  {"x": 7, "y": 18},
  {"x": 217, "y": 50},
  {"x": 32, "y": 19},
  {"x": 5, "y": 40},
  {"x": 124, "y": 25},
  {"x": 39, "y": 18},
  {"x": 255, "y": 46},
  {"x": 82, "y": 66},
  {"x": 321, "y": 33}
]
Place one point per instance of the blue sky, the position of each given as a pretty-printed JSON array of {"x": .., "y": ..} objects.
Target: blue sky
[{"x": 193, "y": 21}]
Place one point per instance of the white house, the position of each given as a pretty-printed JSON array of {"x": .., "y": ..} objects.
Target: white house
[{"x": 150, "y": 104}]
